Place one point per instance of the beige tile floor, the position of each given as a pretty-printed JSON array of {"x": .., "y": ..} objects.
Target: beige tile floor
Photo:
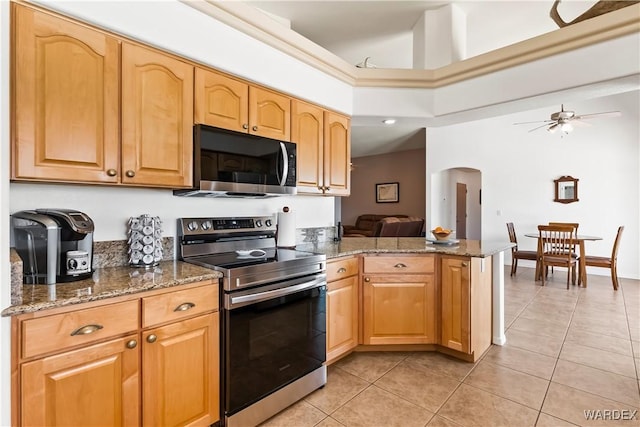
[{"x": 567, "y": 351}]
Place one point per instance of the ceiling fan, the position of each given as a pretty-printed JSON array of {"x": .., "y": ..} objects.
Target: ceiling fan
[{"x": 564, "y": 120}]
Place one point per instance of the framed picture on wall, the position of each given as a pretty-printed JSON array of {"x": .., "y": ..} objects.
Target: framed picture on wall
[{"x": 388, "y": 192}]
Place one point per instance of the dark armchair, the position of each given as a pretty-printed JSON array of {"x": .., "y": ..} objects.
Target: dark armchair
[{"x": 399, "y": 227}]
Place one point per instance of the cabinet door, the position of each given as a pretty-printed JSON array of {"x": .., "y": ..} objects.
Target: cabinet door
[
  {"x": 337, "y": 154},
  {"x": 95, "y": 385},
  {"x": 399, "y": 309},
  {"x": 66, "y": 100},
  {"x": 307, "y": 131},
  {"x": 342, "y": 317},
  {"x": 181, "y": 373},
  {"x": 157, "y": 119},
  {"x": 456, "y": 319},
  {"x": 269, "y": 114},
  {"x": 221, "y": 101}
]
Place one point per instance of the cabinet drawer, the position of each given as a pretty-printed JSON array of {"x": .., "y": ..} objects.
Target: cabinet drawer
[
  {"x": 341, "y": 268},
  {"x": 57, "y": 332},
  {"x": 399, "y": 264},
  {"x": 179, "y": 304}
]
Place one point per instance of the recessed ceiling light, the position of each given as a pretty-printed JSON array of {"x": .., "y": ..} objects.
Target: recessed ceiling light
[{"x": 389, "y": 121}]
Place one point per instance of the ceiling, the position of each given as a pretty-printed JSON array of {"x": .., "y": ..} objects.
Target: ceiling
[{"x": 383, "y": 32}]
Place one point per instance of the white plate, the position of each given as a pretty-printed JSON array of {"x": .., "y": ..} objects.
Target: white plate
[
  {"x": 253, "y": 253},
  {"x": 443, "y": 242}
]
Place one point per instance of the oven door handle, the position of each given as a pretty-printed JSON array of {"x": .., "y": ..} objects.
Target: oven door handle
[{"x": 280, "y": 292}]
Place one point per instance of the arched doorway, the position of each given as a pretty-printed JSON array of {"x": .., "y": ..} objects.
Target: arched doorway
[{"x": 455, "y": 201}]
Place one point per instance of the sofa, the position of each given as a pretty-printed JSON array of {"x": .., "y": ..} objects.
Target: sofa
[
  {"x": 365, "y": 225},
  {"x": 399, "y": 227}
]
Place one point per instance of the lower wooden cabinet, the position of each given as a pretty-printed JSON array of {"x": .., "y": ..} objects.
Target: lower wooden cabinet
[
  {"x": 94, "y": 385},
  {"x": 399, "y": 300},
  {"x": 181, "y": 365},
  {"x": 150, "y": 360},
  {"x": 342, "y": 307},
  {"x": 466, "y": 300}
]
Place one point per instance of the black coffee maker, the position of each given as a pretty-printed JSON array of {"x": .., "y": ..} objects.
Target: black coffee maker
[{"x": 56, "y": 245}]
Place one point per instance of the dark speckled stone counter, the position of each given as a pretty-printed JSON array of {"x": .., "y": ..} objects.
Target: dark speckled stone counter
[
  {"x": 106, "y": 283},
  {"x": 368, "y": 245}
]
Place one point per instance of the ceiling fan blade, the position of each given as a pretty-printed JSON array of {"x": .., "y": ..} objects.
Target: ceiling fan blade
[
  {"x": 554, "y": 123},
  {"x": 606, "y": 114},
  {"x": 537, "y": 121}
]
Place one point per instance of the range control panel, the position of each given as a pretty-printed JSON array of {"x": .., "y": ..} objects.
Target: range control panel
[{"x": 248, "y": 225}]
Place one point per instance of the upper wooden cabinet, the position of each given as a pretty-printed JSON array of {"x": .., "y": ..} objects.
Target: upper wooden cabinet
[
  {"x": 157, "y": 119},
  {"x": 228, "y": 103},
  {"x": 324, "y": 150},
  {"x": 65, "y": 98},
  {"x": 337, "y": 154},
  {"x": 307, "y": 131},
  {"x": 67, "y": 107}
]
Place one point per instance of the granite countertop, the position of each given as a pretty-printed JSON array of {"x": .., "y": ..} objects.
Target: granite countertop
[
  {"x": 109, "y": 282},
  {"x": 373, "y": 245},
  {"x": 106, "y": 283}
]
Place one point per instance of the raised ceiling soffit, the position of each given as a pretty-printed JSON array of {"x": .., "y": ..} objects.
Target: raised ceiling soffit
[{"x": 256, "y": 24}]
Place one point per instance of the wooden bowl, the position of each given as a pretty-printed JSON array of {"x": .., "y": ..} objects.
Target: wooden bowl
[{"x": 441, "y": 235}]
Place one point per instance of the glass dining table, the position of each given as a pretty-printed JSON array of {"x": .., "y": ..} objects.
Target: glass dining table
[{"x": 579, "y": 239}]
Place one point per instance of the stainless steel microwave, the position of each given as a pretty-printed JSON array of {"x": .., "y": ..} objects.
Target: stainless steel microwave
[{"x": 235, "y": 164}]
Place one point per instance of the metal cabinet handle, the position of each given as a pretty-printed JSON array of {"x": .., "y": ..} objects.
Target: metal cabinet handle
[
  {"x": 367, "y": 279},
  {"x": 86, "y": 330},
  {"x": 112, "y": 172},
  {"x": 130, "y": 174},
  {"x": 464, "y": 264},
  {"x": 132, "y": 344},
  {"x": 400, "y": 265},
  {"x": 152, "y": 338},
  {"x": 255, "y": 128},
  {"x": 184, "y": 306},
  {"x": 327, "y": 188},
  {"x": 342, "y": 270},
  {"x": 245, "y": 126}
]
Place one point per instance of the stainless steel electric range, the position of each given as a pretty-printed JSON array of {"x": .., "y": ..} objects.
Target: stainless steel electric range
[{"x": 273, "y": 314}]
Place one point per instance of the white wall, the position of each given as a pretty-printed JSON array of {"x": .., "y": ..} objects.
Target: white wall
[
  {"x": 5, "y": 273},
  {"x": 518, "y": 169}
]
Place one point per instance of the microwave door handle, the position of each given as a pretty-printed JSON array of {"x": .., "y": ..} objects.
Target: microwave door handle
[{"x": 285, "y": 164}]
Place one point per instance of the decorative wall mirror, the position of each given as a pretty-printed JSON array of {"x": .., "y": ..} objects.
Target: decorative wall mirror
[{"x": 566, "y": 189}]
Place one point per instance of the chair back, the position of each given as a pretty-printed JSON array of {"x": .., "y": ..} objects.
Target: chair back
[
  {"x": 512, "y": 237},
  {"x": 616, "y": 244},
  {"x": 575, "y": 226},
  {"x": 556, "y": 241}
]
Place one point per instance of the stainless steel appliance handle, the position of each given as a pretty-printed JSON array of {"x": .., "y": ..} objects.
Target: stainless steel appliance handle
[
  {"x": 285, "y": 163},
  {"x": 280, "y": 292}
]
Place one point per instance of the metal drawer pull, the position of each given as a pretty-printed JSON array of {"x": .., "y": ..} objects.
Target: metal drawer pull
[
  {"x": 185, "y": 306},
  {"x": 132, "y": 344},
  {"x": 342, "y": 270},
  {"x": 366, "y": 279},
  {"x": 86, "y": 330},
  {"x": 400, "y": 265},
  {"x": 152, "y": 338}
]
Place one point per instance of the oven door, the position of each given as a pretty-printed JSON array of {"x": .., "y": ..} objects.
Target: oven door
[{"x": 273, "y": 336}]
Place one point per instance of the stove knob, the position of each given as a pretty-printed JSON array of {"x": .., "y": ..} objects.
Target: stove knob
[
  {"x": 206, "y": 225},
  {"x": 258, "y": 223},
  {"x": 268, "y": 223},
  {"x": 192, "y": 226}
]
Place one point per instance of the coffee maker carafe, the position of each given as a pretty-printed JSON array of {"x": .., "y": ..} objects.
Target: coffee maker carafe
[{"x": 56, "y": 245}]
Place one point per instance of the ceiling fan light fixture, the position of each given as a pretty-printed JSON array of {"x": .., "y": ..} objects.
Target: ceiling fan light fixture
[
  {"x": 566, "y": 127},
  {"x": 552, "y": 128}
]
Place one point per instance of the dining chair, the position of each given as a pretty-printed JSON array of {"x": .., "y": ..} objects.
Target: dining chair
[
  {"x": 607, "y": 262},
  {"x": 517, "y": 254},
  {"x": 575, "y": 226},
  {"x": 556, "y": 247}
]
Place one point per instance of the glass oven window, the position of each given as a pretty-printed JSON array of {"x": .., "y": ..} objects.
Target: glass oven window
[{"x": 271, "y": 344}]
